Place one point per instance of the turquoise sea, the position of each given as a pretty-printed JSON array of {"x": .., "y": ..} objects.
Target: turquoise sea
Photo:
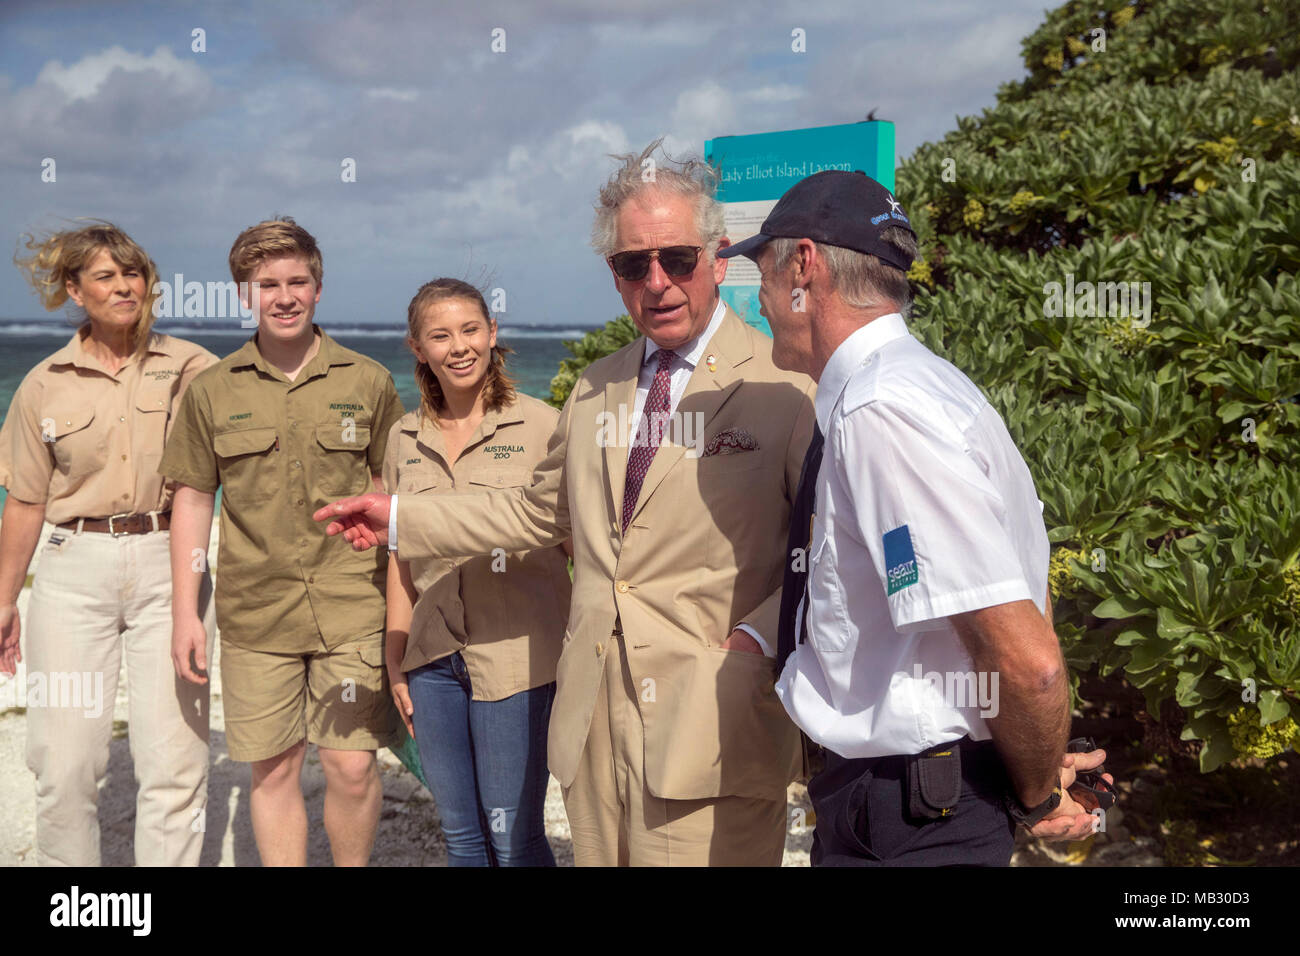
[{"x": 534, "y": 361}]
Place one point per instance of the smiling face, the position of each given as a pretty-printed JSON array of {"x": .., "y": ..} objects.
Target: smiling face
[
  {"x": 286, "y": 297},
  {"x": 669, "y": 310},
  {"x": 110, "y": 293},
  {"x": 455, "y": 341}
]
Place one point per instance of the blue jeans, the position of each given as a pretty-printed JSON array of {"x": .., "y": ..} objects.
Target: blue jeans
[{"x": 486, "y": 765}]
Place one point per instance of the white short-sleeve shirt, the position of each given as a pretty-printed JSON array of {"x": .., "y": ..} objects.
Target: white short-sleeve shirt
[{"x": 924, "y": 509}]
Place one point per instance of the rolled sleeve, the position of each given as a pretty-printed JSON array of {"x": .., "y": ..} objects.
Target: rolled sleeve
[
  {"x": 388, "y": 410},
  {"x": 27, "y": 457},
  {"x": 930, "y": 518},
  {"x": 189, "y": 458}
]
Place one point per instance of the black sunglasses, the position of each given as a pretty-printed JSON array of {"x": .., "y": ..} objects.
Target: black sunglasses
[{"x": 677, "y": 261}]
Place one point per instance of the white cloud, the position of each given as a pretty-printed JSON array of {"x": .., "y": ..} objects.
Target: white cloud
[
  {"x": 85, "y": 78},
  {"x": 391, "y": 93},
  {"x": 779, "y": 93},
  {"x": 703, "y": 111}
]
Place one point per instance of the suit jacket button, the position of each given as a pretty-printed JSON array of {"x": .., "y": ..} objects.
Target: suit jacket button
[
  {"x": 600, "y": 648},
  {"x": 622, "y": 587}
]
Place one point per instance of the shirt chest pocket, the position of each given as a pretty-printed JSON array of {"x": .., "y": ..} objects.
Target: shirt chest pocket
[
  {"x": 489, "y": 478},
  {"x": 415, "y": 481},
  {"x": 342, "y": 466},
  {"x": 152, "y": 416},
  {"x": 76, "y": 439},
  {"x": 246, "y": 464}
]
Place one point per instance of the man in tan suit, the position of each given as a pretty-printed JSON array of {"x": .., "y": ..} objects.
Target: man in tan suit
[{"x": 666, "y": 733}]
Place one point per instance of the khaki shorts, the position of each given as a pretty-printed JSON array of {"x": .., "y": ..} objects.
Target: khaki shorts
[{"x": 337, "y": 699}]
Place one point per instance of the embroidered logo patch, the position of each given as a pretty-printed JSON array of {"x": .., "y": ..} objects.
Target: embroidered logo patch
[{"x": 900, "y": 560}]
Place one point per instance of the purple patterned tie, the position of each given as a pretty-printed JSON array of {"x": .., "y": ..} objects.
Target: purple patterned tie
[{"x": 654, "y": 421}]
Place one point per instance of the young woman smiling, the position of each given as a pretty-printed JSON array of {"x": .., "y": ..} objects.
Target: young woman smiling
[{"x": 472, "y": 644}]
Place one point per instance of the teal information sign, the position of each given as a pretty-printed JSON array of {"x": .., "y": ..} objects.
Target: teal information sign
[{"x": 757, "y": 170}]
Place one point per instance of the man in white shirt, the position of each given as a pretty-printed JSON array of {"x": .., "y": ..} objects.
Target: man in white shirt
[{"x": 928, "y": 667}]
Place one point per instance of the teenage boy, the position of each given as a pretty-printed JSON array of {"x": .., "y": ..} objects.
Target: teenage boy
[{"x": 290, "y": 421}]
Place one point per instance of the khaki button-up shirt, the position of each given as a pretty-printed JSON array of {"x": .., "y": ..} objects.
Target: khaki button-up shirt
[
  {"x": 86, "y": 442},
  {"x": 279, "y": 450},
  {"x": 505, "y": 613}
]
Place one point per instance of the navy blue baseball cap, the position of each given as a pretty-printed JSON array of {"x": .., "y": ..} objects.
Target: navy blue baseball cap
[{"x": 837, "y": 207}]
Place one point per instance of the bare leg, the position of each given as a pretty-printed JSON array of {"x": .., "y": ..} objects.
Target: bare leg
[
  {"x": 353, "y": 797},
  {"x": 279, "y": 814}
]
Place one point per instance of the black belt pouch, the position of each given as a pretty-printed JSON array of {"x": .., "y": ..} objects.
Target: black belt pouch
[{"x": 934, "y": 782}]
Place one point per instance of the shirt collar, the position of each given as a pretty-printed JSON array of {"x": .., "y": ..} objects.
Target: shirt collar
[
  {"x": 691, "y": 351},
  {"x": 327, "y": 355},
  {"x": 428, "y": 431},
  {"x": 851, "y": 355},
  {"x": 74, "y": 353}
]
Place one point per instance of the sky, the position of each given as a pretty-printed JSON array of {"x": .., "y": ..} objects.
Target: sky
[{"x": 471, "y": 162}]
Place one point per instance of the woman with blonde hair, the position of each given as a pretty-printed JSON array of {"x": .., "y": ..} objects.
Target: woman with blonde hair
[
  {"x": 82, "y": 442},
  {"x": 471, "y": 645}
]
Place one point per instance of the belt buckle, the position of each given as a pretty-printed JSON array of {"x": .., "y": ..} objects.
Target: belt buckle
[{"x": 117, "y": 534}]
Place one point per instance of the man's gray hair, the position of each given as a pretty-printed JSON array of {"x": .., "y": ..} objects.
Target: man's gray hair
[
  {"x": 862, "y": 280},
  {"x": 692, "y": 178}
]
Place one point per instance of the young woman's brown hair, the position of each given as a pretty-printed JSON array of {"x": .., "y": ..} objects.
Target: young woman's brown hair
[
  {"x": 498, "y": 390},
  {"x": 59, "y": 258}
]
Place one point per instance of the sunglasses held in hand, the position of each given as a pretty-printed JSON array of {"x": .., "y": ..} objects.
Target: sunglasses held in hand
[
  {"x": 1090, "y": 789},
  {"x": 677, "y": 261}
]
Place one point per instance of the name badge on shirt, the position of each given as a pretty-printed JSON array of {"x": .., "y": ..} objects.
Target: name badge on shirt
[{"x": 900, "y": 560}]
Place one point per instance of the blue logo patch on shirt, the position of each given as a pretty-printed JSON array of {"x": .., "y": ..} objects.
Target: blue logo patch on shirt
[{"x": 900, "y": 560}]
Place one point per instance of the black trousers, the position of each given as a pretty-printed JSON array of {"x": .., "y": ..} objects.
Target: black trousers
[{"x": 862, "y": 819}]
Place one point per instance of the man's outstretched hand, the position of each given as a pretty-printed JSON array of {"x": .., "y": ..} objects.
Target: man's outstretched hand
[{"x": 363, "y": 520}]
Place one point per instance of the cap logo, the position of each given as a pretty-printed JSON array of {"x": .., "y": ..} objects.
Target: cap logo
[{"x": 895, "y": 212}]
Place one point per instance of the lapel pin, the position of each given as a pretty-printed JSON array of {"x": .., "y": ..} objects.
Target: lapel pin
[{"x": 711, "y": 362}]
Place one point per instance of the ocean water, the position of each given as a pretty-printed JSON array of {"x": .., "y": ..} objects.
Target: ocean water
[{"x": 537, "y": 353}]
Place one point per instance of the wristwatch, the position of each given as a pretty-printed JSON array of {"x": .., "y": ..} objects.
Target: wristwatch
[{"x": 1028, "y": 818}]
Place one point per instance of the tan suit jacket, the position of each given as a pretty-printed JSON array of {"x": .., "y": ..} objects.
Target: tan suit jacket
[{"x": 704, "y": 551}]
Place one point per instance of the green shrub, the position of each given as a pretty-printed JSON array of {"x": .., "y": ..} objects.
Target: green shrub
[
  {"x": 595, "y": 344},
  {"x": 1164, "y": 445}
]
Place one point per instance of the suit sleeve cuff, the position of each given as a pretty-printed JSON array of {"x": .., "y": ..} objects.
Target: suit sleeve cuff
[
  {"x": 392, "y": 524},
  {"x": 767, "y": 651}
]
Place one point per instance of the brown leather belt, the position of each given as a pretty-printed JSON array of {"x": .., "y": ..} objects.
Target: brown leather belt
[{"x": 121, "y": 524}]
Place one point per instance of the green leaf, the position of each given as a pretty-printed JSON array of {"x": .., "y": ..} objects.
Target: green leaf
[
  {"x": 1121, "y": 606},
  {"x": 1272, "y": 707}
]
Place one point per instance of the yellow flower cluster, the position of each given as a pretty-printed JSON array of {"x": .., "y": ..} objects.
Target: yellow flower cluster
[
  {"x": 1291, "y": 589},
  {"x": 1063, "y": 135},
  {"x": 1075, "y": 45},
  {"x": 1252, "y": 740},
  {"x": 1123, "y": 15},
  {"x": 1212, "y": 55},
  {"x": 1060, "y": 577},
  {"x": 1022, "y": 201},
  {"x": 1222, "y": 150},
  {"x": 1054, "y": 60},
  {"x": 920, "y": 273},
  {"x": 1127, "y": 337},
  {"x": 973, "y": 214}
]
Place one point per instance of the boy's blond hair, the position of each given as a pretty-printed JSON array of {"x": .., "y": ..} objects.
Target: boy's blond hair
[{"x": 272, "y": 239}]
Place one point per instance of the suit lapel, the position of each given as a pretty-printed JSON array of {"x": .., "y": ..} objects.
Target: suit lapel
[
  {"x": 620, "y": 391},
  {"x": 705, "y": 394}
]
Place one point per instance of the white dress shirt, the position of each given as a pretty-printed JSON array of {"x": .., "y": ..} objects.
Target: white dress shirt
[
  {"x": 688, "y": 356},
  {"x": 924, "y": 509}
]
